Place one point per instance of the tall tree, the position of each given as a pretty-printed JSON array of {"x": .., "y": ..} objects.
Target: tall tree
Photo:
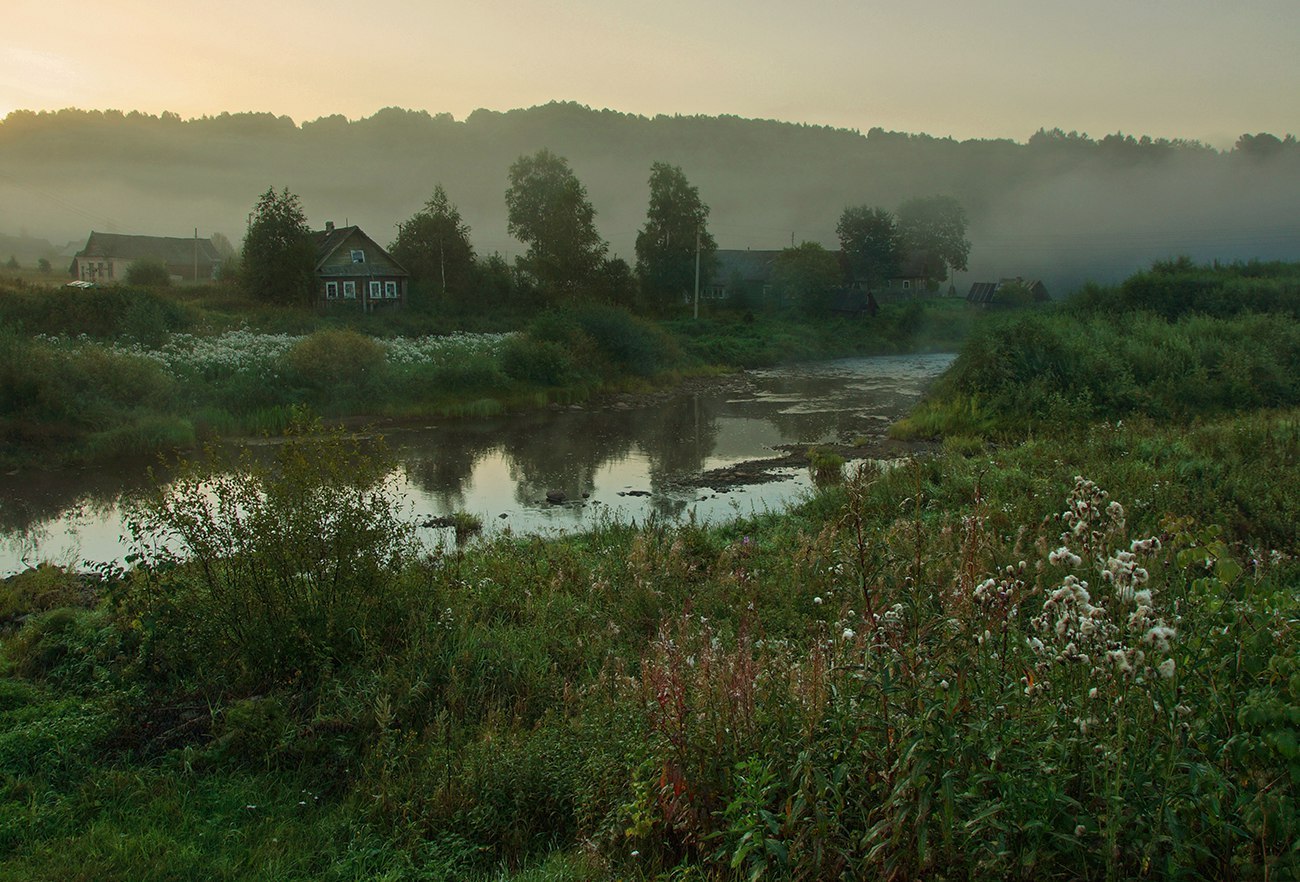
[
  {"x": 869, "y": 242},
  {"x": 548, "y": 210},
  {"x": 279, "y": 258},
  {"x": 932, "y": 233},
  {"x": 434, "y": 246},
  {"x": 666, "y": 245},
  {"x": 805, "y": 276}
]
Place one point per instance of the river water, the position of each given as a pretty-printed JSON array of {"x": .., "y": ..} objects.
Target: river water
[{"x": 625, "y": 460}]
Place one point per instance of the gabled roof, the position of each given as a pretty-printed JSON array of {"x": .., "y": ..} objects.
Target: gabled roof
[
  {"x": 330, "y": 240},
  {"x": 982, "y": 292},
  {"x": 168, "y": 249},
  {"x": 749, "y": 266}
]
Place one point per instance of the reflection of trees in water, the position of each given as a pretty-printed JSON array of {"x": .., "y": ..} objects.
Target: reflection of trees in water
[
  {"x": 679, "y": 436},
  {"x": 566, "y": 451},
  {"x": 442, "y": 463},
  {"x": 31, "y": 500}
]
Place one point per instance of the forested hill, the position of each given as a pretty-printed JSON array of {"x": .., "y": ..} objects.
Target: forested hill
[{"x": 1060, "y": 206}]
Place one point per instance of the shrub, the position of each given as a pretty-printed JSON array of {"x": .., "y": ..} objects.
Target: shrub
[
  {"x": 544, "y": 362},
  {"x": 148, "y": 273},
  {"x": 39, "y": 589},
  {"x": 340, "y": 362},
  {"x": 277, "y": 573}
]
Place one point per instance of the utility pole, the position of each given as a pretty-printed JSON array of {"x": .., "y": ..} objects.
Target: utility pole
[
  {"x": 697, "y": 271},
  {"x": 196, "y": 254},
  {"x": 442, "y": 268}
]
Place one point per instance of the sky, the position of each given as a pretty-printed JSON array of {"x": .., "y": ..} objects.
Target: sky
[{"x": 1198, "y": 69}]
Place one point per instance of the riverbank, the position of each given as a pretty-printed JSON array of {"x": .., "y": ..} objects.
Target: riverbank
[
  {"x": 590, "y": 706},
  {"x": 1042, "y": 656},
  {"x": 74, "y": 400}
]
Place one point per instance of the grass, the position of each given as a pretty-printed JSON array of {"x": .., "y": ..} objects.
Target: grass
[{"x": 1068, "y": 657}]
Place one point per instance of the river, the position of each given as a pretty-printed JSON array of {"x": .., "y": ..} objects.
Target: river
[{"x": 628, "y": 459}]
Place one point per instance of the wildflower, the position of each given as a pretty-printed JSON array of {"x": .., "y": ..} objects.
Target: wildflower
[
  {"x": 817, "y": 601},
  {"x": 848, "y": 634},
  {"x": 1159, "y": 638},
  {"x": 1167, "y": 668},
  {"x": 1064, "y": 555},
  {"x": 943, "y": 684},
  {"x": 1080, "y": 830}
]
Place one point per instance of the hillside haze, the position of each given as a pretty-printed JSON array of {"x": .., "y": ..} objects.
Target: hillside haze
[{"x": 1061, "y": 207}]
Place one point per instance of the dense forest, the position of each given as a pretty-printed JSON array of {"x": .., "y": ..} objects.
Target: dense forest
[{"x": 1062, "y": 206}]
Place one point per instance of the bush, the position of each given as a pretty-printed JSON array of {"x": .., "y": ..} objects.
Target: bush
[
  {"x": 148, "y": 273},
  {"x": 543, "y": 362},
  {"x": 281, "y": 571},
  {"x": 336, "y": 362},
  {"x": 40, "y": 589}
]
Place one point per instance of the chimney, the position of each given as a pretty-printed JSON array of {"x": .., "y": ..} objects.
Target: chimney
[{"x": 329, "y": 226}]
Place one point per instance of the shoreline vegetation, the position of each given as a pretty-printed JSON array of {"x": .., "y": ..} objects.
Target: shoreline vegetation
[
  {"x": 1061, "y": 647},
  {"x": 93, "y": 375}
]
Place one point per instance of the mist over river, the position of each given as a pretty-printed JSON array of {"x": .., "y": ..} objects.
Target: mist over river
[{"x": 626, "y": 459}]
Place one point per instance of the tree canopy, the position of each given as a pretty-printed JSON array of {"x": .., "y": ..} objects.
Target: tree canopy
[
  {"x": 806, "y": 275},
  {"x": 548, "y": 210},
  {"x": 869, "y": 242},
  {"x": 434, "y": 246},
  {"x": 666, "y": 245},
  {"x": 279, "y": 257},
  {"x": 932, "y": 233}
]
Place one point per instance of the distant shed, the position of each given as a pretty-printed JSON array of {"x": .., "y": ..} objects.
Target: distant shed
[{"x": 999, "y": 293}]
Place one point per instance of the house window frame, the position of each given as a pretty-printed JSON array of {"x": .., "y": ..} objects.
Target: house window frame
[
  {"x": 349, "y": 290},
  {"x": 331, "y": 290},
  {"x": 358, "y": 255},
  {"x": 907, "y": 284},
  {"x": 390, "y": 290},
  {"x": 376, "y": 290}
]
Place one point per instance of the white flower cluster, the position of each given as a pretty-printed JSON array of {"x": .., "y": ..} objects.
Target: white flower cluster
[
  {"x": 1089, "y": 517},
  {"x": 441, "y": 349},
  {"x": 1123, "y": 637}
]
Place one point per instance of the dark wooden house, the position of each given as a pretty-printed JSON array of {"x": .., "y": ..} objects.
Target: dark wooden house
[
  {"x": 107, "y": 256},
  {"x": 741, "y": 275},
  {"x": 352, "y": 269}
]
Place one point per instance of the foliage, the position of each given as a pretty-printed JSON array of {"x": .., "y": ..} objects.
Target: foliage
[
  {"x": 806, "y": 276},
  {"x": 549, "y": 212},
  {"x": 336, "y": 364},
  {"x": 675, "y": 230},
  {"x": 40, "y": 589},
  {"x": 253, "y": 574},
  {"x": 148, "y": 273},
  {"x": 869, "y": 241},
  {"x": 43, "y": 266},
  {"x": 279, "y": 257},
  {"x": 434, "y": 246},
  {"x": 932, "y": 235}
]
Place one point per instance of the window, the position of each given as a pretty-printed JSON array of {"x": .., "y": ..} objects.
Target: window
[
  {"x": 358, "y": 256},
  {"x": 907, "y": 284},
  {"x": 349, "y": 290},
  {"x": 331, "y": 290},
  {"x": 390, "y": 290},
  {"x": 376, "y": 290}
]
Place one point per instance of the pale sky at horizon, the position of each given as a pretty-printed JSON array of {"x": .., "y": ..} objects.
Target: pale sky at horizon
[{"x": 1002, "y": 68}]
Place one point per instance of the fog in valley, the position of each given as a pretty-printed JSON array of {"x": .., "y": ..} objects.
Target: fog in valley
[{"x": 1062, "y": 207}]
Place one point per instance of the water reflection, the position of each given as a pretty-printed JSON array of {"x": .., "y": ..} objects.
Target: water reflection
[{"x": 619, "y": 461}]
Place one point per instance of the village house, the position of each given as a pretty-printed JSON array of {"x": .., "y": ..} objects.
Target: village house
[
  {"x": 741, "y": 275},
  {"x": 107, "y": 256},
  {"x": 352, "y": 269}
]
